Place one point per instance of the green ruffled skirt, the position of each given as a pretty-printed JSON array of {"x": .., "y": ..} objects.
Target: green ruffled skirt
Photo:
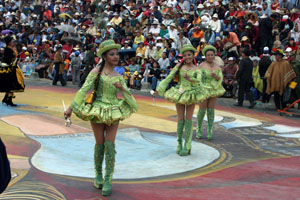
[
  {"x": 216, "y": 92},
  {"x": 186, "y": 97},
  {"x": 104, "y": 113}
]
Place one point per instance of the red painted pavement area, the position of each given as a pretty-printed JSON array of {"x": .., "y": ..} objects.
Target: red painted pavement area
[
  {"x": 271, "y": 179},
  {"x": 267, "y": 180}
]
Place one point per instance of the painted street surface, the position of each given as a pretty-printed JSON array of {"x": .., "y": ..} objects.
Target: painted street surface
[{"x": 254, "y": 155}]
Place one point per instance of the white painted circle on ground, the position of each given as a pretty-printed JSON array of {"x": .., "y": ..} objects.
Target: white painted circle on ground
[{"x": 139, "y": 155}]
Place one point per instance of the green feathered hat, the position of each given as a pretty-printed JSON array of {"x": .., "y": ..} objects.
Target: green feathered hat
[
  {"x": 207, "y": 48},
  {"x": 106, "y": 46},
  {"x": 187, "y": 47}
]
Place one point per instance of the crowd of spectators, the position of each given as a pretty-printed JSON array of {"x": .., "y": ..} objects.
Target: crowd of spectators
[{"x": 151, "y": 34}]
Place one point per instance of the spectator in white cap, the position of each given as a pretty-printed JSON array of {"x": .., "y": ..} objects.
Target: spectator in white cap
[
  {"x": 152, "y": 19},
  {"x": 110, "y": 29},
  {"x": 285, "y": 26},
  {"x": 159, "y": 51},
  {"x": 265, "y": 52},
  {"x": 295, "y": 33},
  {"x": 252, "y": 8},
  {"x": 160, "y": 41},
  {"x": 106, "y": 12},
  {"x": 287, "y": 52},
  {"x": 167, "y": 19},
  {"x": 229, "y": 72},
  {"x": 173, "y": 32},
  {"x": 200, "y": 9},
  {"x": 22, "y": 54},
  {"x": 215, "y": 24},
  {"x": 126, "y": 45},
  {"x": 116, "y": 20},
  {"x": 264, "y": 63},
  {"x": 150, "y": 50},
  {"x": 155, "y": 30},
  {"x": 208, "y": 8}
]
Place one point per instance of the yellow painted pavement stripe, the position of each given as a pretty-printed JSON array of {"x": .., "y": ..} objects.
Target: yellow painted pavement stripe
[
  {"x": 17, "y": 157},
  {"x": 9, "y": 130},
  {"x": 151, "y": 122}
]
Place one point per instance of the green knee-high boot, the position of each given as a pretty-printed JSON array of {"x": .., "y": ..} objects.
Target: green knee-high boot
[
  {"x": 200, "y": 117},
  {"x": 188, "y": 138},
  {"x": 98, "y": 160},
  {"x": 180, "y": 126},
  {"x": 110, "y": 154},
  {"x": 210, "y": 119}
]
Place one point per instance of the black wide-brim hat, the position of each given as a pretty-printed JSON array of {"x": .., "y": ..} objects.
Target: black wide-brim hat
[
  {"x": 279, "y": 52},
  {"x": 8, "y": 39},
  {"x": 246, "y": 52}
]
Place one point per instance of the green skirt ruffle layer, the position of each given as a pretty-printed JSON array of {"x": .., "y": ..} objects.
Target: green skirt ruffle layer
[
  {"x": 216, "y": 92},
  {"x": 104, "y": 113},
  {"x": 187, "y": 97}
]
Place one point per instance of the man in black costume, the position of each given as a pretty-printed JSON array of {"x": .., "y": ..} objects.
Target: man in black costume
[{"x": 245, "y": 79}]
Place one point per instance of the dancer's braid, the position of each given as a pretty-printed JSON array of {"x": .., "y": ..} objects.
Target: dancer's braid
[
  {"x": 179, "y": 67},
  {"x": 96, "y": 84},
  {"x": 181, "y": 64}
]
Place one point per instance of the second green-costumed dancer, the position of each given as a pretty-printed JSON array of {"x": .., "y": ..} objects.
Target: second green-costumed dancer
[
  {"x": 212, "y": 77},
  {"x": 185, "y": 95}
]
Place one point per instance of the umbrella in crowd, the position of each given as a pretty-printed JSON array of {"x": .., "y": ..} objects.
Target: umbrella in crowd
[
  {"x": 4, "y": 32},
  {"x": 66, "y": 28},
  {"x": 65, "y": 15},
  {"x": 65, "y": 51},
  {"x": 72, "y": 39}
]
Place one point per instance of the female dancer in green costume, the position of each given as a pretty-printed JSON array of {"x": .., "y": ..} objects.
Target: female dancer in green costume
[
  {"x": 104, "y": 109},
  {"x": 185, "y": 95},
  {"x": 212, "y": 77}
]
